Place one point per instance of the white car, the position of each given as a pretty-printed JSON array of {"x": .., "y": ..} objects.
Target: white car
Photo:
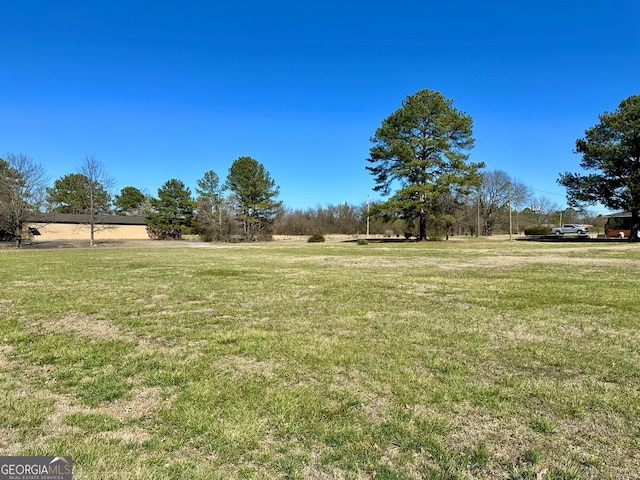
[{"x": 570, "y": 228}]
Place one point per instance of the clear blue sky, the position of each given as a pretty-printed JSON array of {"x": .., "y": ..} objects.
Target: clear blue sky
[{"x": 158, "y": 90}]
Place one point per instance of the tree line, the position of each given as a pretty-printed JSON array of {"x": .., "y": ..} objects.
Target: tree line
[
  {"x": 419, "y": 161},
  {"x": 244, "y": 206}
]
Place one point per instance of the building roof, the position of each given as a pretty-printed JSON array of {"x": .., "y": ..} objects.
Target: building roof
[
  {"x": 619, "y": 215},
  {"x": 77, "y": 218}
]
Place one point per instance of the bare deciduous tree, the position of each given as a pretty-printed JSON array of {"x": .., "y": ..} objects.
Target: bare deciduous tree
[
  {"x": 496, "y": 192},
  {"x": 99, "y": 181},
  {"x": 22, "y": 192},
  {"x": 544, "y": 210}
]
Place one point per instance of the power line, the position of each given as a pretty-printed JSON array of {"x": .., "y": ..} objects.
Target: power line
[{"x": 549, "y": 193}]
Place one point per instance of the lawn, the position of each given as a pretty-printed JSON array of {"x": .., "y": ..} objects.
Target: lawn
[{"x": 444, "y": 360}]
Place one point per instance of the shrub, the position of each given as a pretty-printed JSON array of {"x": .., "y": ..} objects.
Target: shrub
[
  {"x": 316, "y": 238},
  {"x": 537, "y": 231},
  {"x": 160, "y": 233},
  {"x": 362, "y": 241},
  {"x": 206, "y": 236}
]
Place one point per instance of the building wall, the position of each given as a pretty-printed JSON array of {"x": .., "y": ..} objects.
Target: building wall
[
  {"x": 618, "y": 226},
  {"x": 53, "y": 232}
]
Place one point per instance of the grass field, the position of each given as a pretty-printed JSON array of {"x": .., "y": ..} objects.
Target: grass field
[{"x": 443, "y": 360}]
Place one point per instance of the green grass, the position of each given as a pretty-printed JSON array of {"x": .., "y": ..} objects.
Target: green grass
[{"x": 451, "y": 360}]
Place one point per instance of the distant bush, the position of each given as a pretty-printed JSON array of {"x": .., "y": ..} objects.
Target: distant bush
[
  {"x": 537, "y": 231},
  {"x": 5, "y": 235},
  {"x": 206, "y": 236},
  {"x": 362, "y": 241},
  {"x": 160, "y": 233},
  {"x": 316, "y": 238}
]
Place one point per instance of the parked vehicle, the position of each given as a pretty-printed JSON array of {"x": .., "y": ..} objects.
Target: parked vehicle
[{"x": 571, "y": 228}]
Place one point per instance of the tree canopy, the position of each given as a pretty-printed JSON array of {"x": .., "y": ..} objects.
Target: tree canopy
[
  {"x": 421, "y": 149},
  {"x": 86, "y": 192},
  {"x": 209, "y": 188},
  {"x": 611, "y": 151},
  {"x": 255, "y": 192},
  {"x": 75, "y": 193},
  {"x": 130, "y": 201}
]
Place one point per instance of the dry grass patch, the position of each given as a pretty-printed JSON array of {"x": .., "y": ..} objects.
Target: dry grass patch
[
  {"x": 143, "y": 402},
  {"x": 8, "y": 440},
  {"x": 135, "y": 435},
  {"x": 238, "y": 367},
  {"x": 5, "y": 350},
  {"x": 85, "y": 326}
]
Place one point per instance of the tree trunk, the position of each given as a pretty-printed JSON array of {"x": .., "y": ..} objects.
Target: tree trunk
[
  {"x": 18, "y": 236},
  {"x": 635, "y": 221},
  {"x": 422, "y": 229},
  {"x": 92, "y": 218}
]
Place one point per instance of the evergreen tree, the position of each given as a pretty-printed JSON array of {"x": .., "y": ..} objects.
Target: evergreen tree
[
  {"x": 254, "y": 192},
  {"x": 130, "y": 201},
  {"x": 171, "y": 212},
  {"x": 421, "y": 149}
]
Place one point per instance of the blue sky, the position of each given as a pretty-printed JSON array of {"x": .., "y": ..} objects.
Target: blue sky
[{"x": 158, "y": 90}]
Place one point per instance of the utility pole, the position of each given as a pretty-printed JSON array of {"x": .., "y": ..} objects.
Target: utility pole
[
  {"x": 478, "y": 227},
  {"x": 510, "y": 218},
  {"x": 367, "y": 216}
]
